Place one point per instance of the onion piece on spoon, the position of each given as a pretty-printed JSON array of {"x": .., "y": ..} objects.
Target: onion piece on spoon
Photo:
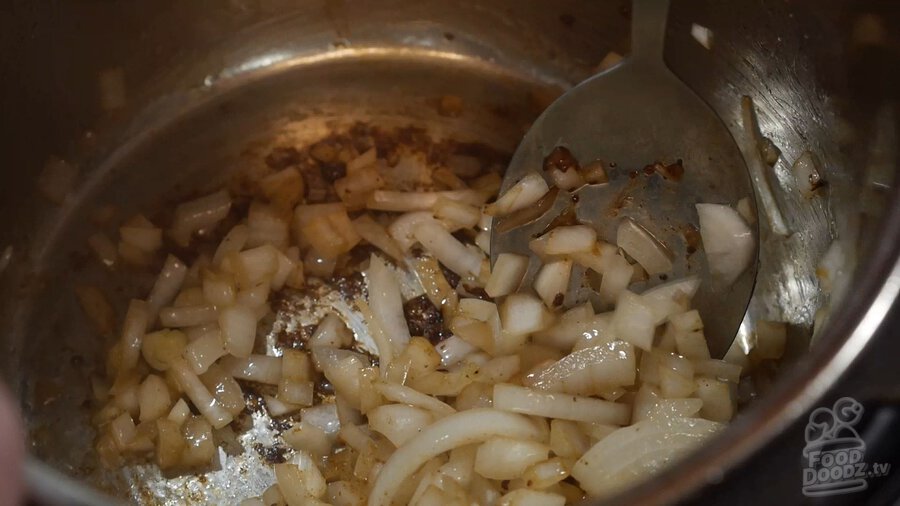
[
  {"x": 527, "y": 191},
  {"x": 643, "y": 247},
  {"x": 727, "y": 240}
]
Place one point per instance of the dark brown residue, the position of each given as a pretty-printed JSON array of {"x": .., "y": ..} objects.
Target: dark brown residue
[
  {"x": 283, "y": 157},
  {"x": 351, "y": 286},
  {"x": 558, "y": 300},
  {"x": 271, "y": 454},
  {"x": 691, "y": 238},
  {"x": 424, "y": 319},
  {"x": 451, "y": 277},
  {"x": 478, "y": 292}
]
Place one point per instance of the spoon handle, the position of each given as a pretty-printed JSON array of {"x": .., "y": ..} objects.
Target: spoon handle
[{"x": 648, "y": 31}]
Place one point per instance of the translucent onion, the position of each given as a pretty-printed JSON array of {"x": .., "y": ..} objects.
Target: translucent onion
[
  {"x": 323, "y": 416},
  {"x": 266, "y": 226},
  {"x": 633, "y": 320},
  {"x": 552, "y": 405},
  {"x": 383, "y": 200},
  {"x": 552, "y": 282},
  {"x": 238, "y": 324},
  {"x": 375, "y": 234},
  {"x": 447, "y": 249},
  {"x": 504, "y": 458},
  {"x": 588, "y": 371},
  {"x": 401, "y": 230},
  {"x": 524, "y": 193},
  {"x": 399, "y": 422},
  {"x": 386, "y": 303},
  {"x": 204, "y": 351},
  {"x": 331, "y": 332},
  {"x": 640, "y": 245},
  {"x": 398, "y": 393},
  {"x": 459, "y": 429},
  {"x": 196, "y": 391},
  {"x": 507, "y": 274},
  {"x": 199, "y": 214},
  {"x": 568, "y": 240},
  {"x": 522, "y": 313},
  {"x": 632, "y": 453},
  {"x": 258, "y": 368},
  {"x": 167, "y": 285},
  {"x": 616, "y": 278},
  {"x": 188, "y": 316},
  {"x": 727, "y": 241},
  {"x": 453, "y": 349},
  {"x": 233, "y": 242},
  {"x": 137, "y": 319}
]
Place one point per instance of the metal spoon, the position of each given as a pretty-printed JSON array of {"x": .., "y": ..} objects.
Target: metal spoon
[{"x": 634, "y": 115}]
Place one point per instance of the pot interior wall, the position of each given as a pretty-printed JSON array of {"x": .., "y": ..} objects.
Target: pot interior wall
[{"x": 273, "y": 74}]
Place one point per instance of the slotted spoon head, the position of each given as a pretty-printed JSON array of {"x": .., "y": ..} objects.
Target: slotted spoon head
[{"x": 632, "y": 116}]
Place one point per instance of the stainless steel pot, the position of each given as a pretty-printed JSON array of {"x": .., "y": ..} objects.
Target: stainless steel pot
[{"x": 151, "y": 99}]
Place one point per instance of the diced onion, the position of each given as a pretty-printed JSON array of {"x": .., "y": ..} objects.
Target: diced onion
[
  {"x": 507, "y": 274},
  {"x": 643, "y": 247},
  {"x": 447, "y": 249},
  {"x": 238, "y": 324},
  {"x": 399, "y": 422},
  {"x": 524, "y": 193},
  {"x": 456, "y": 214},
  {"x": 453, "y": 349},
  {"x": 323, "y": 416},
  {"x": 376, "y": 235},
  {"x": 258, "y": 368},
  {"x": 727, "y": 240},
  {"x": 266, "y": 226},
  {"x": 167, "y": 285},
  {"x": 552, "y": 405},
  {"x": 503, "y": 458},
  {"x": 383, "y": 200},
  {"x": 386, "y": 303},
  {"x": 459, "y": 429},
  {"x": 399, "y": 393},
  {"x": 552, "y": 282},
  {"x": 233, "y": 242},
  {"x": 569, "y": 239},
  {"x": 199, "y": 214},
  {"x": 137, "y": 319},
  {"x": 633, "y": 320},
  {"x": 204, "y": 351},
  {"x": 522, "y": 314},
  {"x": 331, "y": 332},
  {"x": 636, "y": 451},
  {"x": 401, "y": 230},
  {"x": 588, "y": 371},
  {"x": 188, "y": 316},
  {"x": 616, "y": 279},
  {"x": 200, "y": 396}
]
